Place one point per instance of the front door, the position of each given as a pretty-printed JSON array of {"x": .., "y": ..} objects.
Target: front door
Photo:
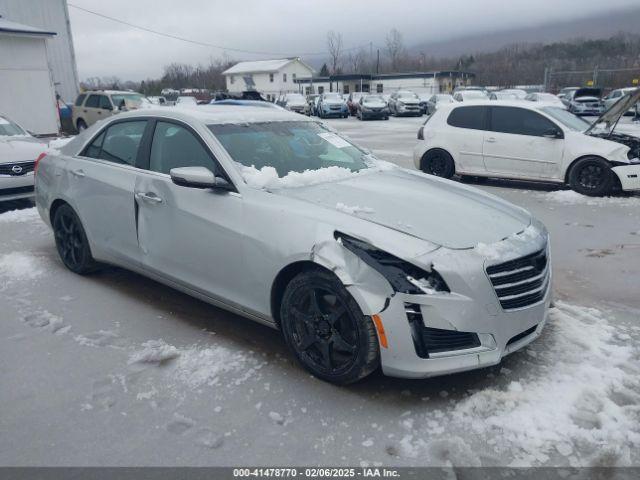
[
  {"x": 104, "y": 176},
  {"x": 192, "y": 236},
  {"x": 517, "y": 144}
]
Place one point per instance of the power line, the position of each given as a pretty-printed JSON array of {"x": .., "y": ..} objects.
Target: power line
[{"x": 196, "y": 42}]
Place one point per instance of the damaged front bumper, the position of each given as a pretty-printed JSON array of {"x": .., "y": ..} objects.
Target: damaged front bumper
[{"x": 629, "y": 176}]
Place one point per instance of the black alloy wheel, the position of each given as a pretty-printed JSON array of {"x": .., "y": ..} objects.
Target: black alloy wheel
[
  {"x": 326, "y": 330},
  {"x": 71, "y": 241},
  {"x": 438, "y": 163},
  {"x": 591, "y": 176}
]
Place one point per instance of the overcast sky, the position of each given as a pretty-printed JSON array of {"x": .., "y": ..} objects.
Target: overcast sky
[{"x": 285, "y": 27}]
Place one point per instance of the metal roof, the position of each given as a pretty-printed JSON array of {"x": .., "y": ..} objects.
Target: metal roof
[
  {"x": 7, "y": 26},
  {"x": 262, "y": 66}
]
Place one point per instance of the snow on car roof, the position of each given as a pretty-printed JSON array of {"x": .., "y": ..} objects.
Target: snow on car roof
[{"x": 210, "y": 114}]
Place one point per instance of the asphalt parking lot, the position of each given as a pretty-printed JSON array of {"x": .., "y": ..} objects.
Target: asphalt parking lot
[{"x": 116, "y": 369}]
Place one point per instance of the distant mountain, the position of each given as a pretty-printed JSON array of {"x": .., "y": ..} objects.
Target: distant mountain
[{"x": 602, "y": 25}]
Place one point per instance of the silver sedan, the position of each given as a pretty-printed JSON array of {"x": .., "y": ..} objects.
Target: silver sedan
[{"x": 271, "y": 215}]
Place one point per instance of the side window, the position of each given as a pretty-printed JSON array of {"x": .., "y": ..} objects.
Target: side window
[
  {"x": 105, "y": 103},
  {"x": 519, "y": 121},
  {"x": 80, "y": 99},
  {"x": 174, "y": 146},
  {"x": 93, "y": 101},
  {"x": 468, "y": 117},
  {"x": 119, "y": 144},
  {"x": 93, "y": 150}
]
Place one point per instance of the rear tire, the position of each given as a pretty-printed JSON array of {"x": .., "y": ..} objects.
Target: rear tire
[
  {"x": 81, "y": 125},
  {"x": 71, "y": 241},
  {"x": 438, "y": 163},
  {"x": 592, "y": 176},
  {"x": 326, "y": 330}
]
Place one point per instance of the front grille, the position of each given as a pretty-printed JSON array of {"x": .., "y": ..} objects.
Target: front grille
[
  {"x": 429, "y": 340},
  {"x": 24, "y": 167},
  {"x": 16, "y": 191},
  {"x": 522, "y": 335},
  {"x": 521, "y": 282}
]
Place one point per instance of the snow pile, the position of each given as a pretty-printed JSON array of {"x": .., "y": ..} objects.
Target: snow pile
[
  {"x": 341, "y": 207},
  {"x": 569, "y": 197},
  {"x": 56, "y": 144},
  {"x": 501, "y": 249},
  {"x": 154, "y": 351},
  {"x": 20, "y": 216},
  {"x": 197, "y": 367},
  {"x": 20, "y": 266},
  {"x": 267, "y": 177},
  {"x": 578, "y": 403}
]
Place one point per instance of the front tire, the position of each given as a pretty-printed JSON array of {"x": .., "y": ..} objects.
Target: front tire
[
  {"x": 438, "y": 163},
  {"x": 71, "y": 241},
  {"x": 591, "y": 176},
  {"x": 81, "y": 125},
  {"x": 326, "y": 330}
]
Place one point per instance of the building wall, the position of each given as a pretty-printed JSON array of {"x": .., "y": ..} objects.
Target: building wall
[
  {"x": 27, "y": 94},
  {"x": 50, "y": 15},
  {"x": 263, "y": 84}
]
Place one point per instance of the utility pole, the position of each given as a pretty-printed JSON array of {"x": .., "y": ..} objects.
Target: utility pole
[
  {"x": 378, "y": 63},
  {"x": 595, "y": 76},
  {"x": 546, "y": 79}
]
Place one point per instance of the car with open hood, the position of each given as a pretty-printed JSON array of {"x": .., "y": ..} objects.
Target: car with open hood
[
  {"x": 585, "y": 101},
  {"x": 617, "y": 94},
  {"x": 531, "y": 141},
  {"x": 354, "y": 275}
]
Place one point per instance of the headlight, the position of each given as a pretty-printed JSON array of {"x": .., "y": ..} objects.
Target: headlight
[
  {"x": 403, "y": 276},
  {"x": 400, "y": 104}
]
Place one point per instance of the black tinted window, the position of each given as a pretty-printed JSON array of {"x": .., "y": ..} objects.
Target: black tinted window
[
  {"x": 105, "y": 103},
  {"x": 119, "y": 143},
  {"x": 174, "y": 146},
  {"x": 93, "y": 101},
  {"x": 80, "y": 99},
  {"x": 519, "y": 121},
  {"x": 468, "y": 117}
]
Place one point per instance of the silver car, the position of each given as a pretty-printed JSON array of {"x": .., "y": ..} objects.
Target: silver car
[{"x": 269, "y": 214}]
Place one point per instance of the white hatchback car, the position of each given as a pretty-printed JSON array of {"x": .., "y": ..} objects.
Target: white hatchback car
[{"x": 530, "y": 141}]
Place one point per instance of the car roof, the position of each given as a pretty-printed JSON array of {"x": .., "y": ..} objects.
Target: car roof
[
  {"x": 211, "y": 115},
  {"x": 494, "y": 103}
]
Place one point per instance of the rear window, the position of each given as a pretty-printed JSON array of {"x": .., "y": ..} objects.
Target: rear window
[
  {"x": 468, "y": 117},
  {"x": 80, "y": 99}
]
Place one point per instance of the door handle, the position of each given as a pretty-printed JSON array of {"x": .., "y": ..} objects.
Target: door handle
[
  {"x": 149, "y": 197},
  {"x": 78, "y": 173},
  {"x": 491, "y": 140}
]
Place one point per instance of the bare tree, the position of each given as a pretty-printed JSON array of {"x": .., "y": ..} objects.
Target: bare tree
[
  {"x": 334, "y": 45},
  {"x": 357, "y": 60},
  {"x": 395, "y": 48}
]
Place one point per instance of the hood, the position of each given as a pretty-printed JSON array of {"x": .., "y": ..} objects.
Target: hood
[
  {"x": 438, "y": 211},
  {"x": 611, "y": 117},
  {"x": 588, "y": 92},
  {"x": 333, "y": 102},
  {"x": 409, "y": 101},
  {"x": 374, "y": 105},
  {"x": 20, "y": 149}
]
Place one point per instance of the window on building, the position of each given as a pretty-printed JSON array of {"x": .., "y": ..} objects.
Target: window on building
[
  {"x": 379, "y": 88},
  {"x": 365, "y": 87},
  {"x": 345, "y": 89},
  {"x": 320, "y": 90},
  {"x": 284, "y": 77},
  {"x": 232, "y": 79},
  {"x": 271, "y": 77},
  {"x": 307, "y": 90},
  {"x": 293, "y": 77}
]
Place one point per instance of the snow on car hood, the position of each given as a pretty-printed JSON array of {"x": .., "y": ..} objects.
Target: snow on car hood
[
  {"x": 613, "y": 114},
  {"x": 20, "y": 149},
  {"x": 438, "y": 211}
]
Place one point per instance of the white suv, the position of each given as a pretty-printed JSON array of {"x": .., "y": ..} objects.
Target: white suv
[{"x": 526, "y": 141}]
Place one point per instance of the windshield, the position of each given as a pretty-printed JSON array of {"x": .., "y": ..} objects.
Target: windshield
[
  {"x": 567, "y": 118},
  {"x": 288, "y": 147},
  {"x": 10, "y": 129},
  {"x": 332, "y": 96},
  {"x": 373, "y": 99},
  {"x": 407, "y": 95},
  {"x": 134, "y": 98},
  {"x": 445, "y": 99},
  {"x": 470, "y": 94},
  {"x": 295, "y": 97}
]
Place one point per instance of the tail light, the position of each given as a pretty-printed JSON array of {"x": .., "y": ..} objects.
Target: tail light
[{"x": 35, "y": 166}]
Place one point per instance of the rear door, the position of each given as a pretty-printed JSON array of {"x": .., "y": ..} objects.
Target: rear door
[
  {"x": 518, "y": 143},
  {"x": 190, "y": 235},
  {"x": 90, "y": 109},
  {"x": 102, "y": 178},
  {"x": 465, "y": 137}
]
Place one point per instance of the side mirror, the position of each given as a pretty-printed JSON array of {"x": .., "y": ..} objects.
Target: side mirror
[
  {"x": 198, "y": 177},
  {"x": 554, "y": 133}
]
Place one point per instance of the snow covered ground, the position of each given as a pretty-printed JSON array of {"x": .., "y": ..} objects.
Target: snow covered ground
[{"x": 115, "y": 369}]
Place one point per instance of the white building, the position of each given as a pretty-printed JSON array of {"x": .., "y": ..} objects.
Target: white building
[
  {"x": 27, "y": 93},
  {"x": 269, "y": 77},
  {"x": 51, "y": 16}
]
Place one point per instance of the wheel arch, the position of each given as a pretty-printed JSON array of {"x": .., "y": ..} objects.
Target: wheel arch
[{"x": 55, "y": 205}]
